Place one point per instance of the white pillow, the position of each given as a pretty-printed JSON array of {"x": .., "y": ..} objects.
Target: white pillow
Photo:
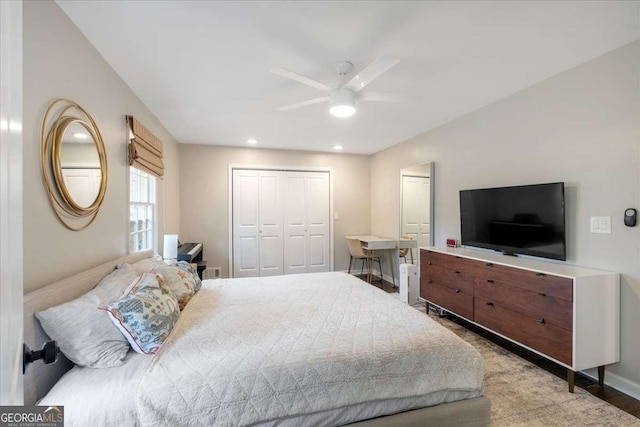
[
  {"x": 84, "y": 333},
  {"x": 148, "y": 264}
]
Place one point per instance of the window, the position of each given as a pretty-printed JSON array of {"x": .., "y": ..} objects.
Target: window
[{"x": 142, "y": 210}]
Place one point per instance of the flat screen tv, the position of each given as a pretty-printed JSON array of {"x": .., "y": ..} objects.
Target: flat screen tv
[{"x": 527, "y": 219}]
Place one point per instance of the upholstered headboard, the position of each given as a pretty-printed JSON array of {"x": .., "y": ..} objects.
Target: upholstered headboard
[{"x": 40, "y": 378}]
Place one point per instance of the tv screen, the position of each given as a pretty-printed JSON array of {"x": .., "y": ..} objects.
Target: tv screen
[{"x": 527, "y": 219}]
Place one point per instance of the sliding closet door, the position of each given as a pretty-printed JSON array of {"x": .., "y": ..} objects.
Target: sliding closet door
[
  {"x": 245, "y": 223},
  {"x": 257, "y": 223},
  {"x": 306, "y": 222},
  {"x": 295, "y": 223},
  {"x": 270, "y": 223}
]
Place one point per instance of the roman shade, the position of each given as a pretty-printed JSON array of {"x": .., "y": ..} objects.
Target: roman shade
[{"x": 145, "y": 149}]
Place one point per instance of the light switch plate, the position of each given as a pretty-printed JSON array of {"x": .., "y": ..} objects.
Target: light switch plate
[{"x": 601, "y": 224}]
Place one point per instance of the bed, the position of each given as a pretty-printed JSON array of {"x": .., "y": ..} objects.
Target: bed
[{"x": 314, "y": 349}]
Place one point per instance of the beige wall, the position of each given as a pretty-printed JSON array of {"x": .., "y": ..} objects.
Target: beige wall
[
  {"x": 204, "y": 199},
  {"x": 60, "y": 63},
  {"x": 581, "y": 127}
]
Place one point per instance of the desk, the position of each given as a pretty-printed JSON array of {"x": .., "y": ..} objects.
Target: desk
[
  {"x": 377, "y": 243},
  {"x": 410, "y": 244}
]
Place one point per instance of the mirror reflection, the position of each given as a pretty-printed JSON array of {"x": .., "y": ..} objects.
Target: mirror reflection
[
  {"x": 416, "y": 208},
  {"x": 80, "y": 165}
]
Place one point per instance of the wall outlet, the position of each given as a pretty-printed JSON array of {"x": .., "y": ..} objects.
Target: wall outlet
[
  {"x": 601, "y": 224},
  {"x": 212, "y": 273}
]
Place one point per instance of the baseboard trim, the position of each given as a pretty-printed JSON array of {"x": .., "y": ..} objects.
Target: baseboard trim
[{"x": 616, "y": 381}]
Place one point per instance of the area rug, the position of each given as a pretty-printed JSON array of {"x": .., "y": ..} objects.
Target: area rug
[{"x": 523, "y": 394}]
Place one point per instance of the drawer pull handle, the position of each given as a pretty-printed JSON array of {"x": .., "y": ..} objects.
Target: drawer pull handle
[
  {"x": 541, "y": 320},
  {"x": 457, "y": 272},
  {"x": 490, "y": 303},
  {"x": 540, "y": 274},
  {"x": 542, "y": 294},
  {"x": 430, "y": 281},
  {"x": 457, "y": 291},
  {"x": 489, "y": 264},
  {"x": 490, "y": 281}
]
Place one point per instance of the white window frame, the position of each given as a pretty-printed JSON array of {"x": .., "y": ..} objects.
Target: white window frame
[{"x": 150, "y": 202}]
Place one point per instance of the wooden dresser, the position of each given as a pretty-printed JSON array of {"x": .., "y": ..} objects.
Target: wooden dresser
[{"x": 568, "y": 314}]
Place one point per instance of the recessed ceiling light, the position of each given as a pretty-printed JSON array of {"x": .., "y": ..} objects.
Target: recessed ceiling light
[
  {"x": 337, "y": 147},
  {"x": 252, "y": 141},
  {"x": 80, "y": 135}
]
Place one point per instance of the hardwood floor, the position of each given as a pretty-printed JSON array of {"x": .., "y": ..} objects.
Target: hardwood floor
[{"x": 608, "y": 394}]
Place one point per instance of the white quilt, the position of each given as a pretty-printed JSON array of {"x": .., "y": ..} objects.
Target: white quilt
[{"x": 287, "y": 349}]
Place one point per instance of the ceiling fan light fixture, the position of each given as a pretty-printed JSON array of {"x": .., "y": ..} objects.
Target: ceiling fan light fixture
[{"x": 343, "y": 103}]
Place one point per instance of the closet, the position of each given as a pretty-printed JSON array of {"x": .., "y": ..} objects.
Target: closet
[{"x": 280, "y": 222}]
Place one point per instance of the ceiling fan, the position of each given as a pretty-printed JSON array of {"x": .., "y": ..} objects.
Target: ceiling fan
[{"x": 343, "y": 97}]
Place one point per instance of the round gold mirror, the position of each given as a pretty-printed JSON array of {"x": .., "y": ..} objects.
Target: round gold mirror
[{"x": 74, "y": 164}]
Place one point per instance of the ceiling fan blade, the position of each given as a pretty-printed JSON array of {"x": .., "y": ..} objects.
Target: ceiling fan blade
[
  {"x": 383, "y": 97},
  {"x": 379, "y": 66},
  {"x": 304, "y": 103},
  {"x": 300, "y": 78}
]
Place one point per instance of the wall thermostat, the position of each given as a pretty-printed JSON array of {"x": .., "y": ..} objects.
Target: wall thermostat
[{"x": 630, "y": 217}]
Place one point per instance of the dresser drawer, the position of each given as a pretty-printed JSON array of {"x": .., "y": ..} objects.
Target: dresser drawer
[
  {"x": 454, "y": 279},
  {"x": 447, "y": 298},
  {"x": 556, "y": 311},
  {"x": 535, "y": 333},
  {"x": 555, "y": 286},
  {"x": 452, "y": 262}
]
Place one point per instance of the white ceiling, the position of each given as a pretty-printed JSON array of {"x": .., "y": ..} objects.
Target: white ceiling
[{"x": 203, "y": 67}]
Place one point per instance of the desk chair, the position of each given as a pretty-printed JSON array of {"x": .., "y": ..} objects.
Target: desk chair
[
  {"x": 403, "y": 252},
  {"x": 356, "y": 251}
]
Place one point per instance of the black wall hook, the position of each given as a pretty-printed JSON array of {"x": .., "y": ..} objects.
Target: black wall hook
[{"x": 48, "y": 354}]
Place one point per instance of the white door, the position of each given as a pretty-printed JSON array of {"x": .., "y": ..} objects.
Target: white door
[
  {"x": 257, "y": 223},
  {"x": 270, "y": 252},
  {"x": 416, "y": 209},
  {"x": 245, "y": 223},
  {"x": 296, "y": 250},
  {"x": 307, "y": 246},
  {"x": 318, "y": 222},
  {"x": 11, "y": 262},
  {"x": 281, "y": 222},
  {"x": 83, "y": 184}
]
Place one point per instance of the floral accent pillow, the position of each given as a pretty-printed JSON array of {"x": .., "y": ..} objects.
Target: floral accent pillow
[
  {"x": 181, "y": 283},
  {"x": 184, "y": 265},
  {"x": 146, "y": 313}
]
